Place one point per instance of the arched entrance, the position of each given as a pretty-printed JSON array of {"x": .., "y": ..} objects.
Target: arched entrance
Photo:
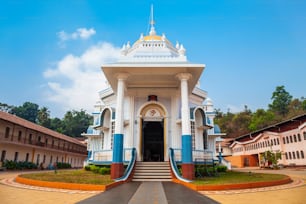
[{"x": 152, "y": 138}]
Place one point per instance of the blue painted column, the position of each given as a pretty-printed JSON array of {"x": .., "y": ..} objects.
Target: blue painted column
[
  {"x": 89, "y": 154},
  {"x": 117, "y": 162},
  {"x": 220, "y": 154},
  {"x": 187, "y": 161}
]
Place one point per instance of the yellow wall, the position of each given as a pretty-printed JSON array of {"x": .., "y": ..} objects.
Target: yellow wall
[{"x": 239, "y": 161}]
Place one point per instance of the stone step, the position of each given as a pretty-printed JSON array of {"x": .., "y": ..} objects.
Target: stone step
[
  {"x": 153, "y": 163},
  {"x": 152, "y": 176},
  {"x": 155, "y": 173},
  {"x": 135, "y": 179},
  {"x": 153, "y": 167},
  {"x": 152, "y": 171}
]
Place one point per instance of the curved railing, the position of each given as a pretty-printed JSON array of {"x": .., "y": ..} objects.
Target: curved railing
[
  {"x": 129, "y": 168},
  {"x": 174, "y": 166},
  {"x": 226, "y": 163}
]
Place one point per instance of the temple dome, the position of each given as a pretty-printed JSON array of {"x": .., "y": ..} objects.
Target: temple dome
[
  {"x": 152, "y": 37},
  {"x": 152, "y": 48}
]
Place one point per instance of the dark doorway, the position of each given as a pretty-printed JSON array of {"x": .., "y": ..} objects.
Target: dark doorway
[{"x": 153, "y": 141}]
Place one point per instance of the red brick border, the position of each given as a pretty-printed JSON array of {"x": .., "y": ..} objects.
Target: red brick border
[
  {"x": 92, "y": 187},
  {"x": 234, "y": 186},
  {"x": 71, "y": 186}
]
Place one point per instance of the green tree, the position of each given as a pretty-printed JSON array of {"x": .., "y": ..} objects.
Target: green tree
[
  {"x": 261, "y": 119},
  {"x": 56, "y": 124},
  {"x": 5, "y": 107},
  {"x": 218, "y": 113},
  {"x": 234, "y": 124},
  {"x": 43, "y": 117},
  {"x": 281, "y": 100},
  {"x": 295, "y": 108},
  {"x": 241, "y": 122},
  {"x": 76, "y": 122},
  {"x": 225, "y": 123},
  {"x": 28, "y": 111},
  {"x": 303, "y": 103},
  {"x": 272, "y": 157}
]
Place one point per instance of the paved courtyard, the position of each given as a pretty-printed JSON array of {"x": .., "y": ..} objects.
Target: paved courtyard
[{"x": 11, "y": 192}]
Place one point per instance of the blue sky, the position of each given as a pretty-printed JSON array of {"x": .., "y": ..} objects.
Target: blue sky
[{"x": 51, "y": 51}]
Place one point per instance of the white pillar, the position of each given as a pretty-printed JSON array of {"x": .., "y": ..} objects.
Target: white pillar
[
  {"x": 117, "y": 163},
  {"x": 184, "y": 77},
  {"x": 130, "y": 139},
  {"x": 187, "y": 161},
  {"x": 119, "y": 106}
]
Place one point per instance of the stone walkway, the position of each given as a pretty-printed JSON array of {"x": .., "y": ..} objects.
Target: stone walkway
[
  {"x": 149, "y": 193},
  {"x": 295, "y": 183},
  {"x": 10, "y": 182},
  {"x": 293, "y": 193},
  {"x": 156, "y": 192}
]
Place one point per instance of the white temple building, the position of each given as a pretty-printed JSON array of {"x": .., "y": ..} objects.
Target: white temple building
[{"x": 153, "y": 103}]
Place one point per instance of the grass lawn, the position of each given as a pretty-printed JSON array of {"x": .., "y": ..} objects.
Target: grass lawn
[
  {"x": 71, "y": 176},
  {"x": 232, "y": 177},
  {"x": 88, "y": 177}
]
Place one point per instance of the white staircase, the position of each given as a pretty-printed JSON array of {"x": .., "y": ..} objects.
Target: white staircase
[{"x": 152, "y": 171}]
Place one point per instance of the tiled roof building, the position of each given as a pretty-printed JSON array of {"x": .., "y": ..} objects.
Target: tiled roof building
[{"x": 21, "y": 140}]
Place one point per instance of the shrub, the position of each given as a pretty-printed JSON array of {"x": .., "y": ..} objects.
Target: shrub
[
  {"x": 104, "y": 170},
  {"x": 94, "y": 169},
  {"x": 221, "y": 168},
  {"x": 9, "y": 164},
  {"x": 63, "y": 165},
  {"x": 204, "y": 171}
]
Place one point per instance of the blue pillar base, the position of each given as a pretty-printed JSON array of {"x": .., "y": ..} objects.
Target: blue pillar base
[
  {"x": 118, "y": 148},
  {"x": 117, "y": 163},
  {"x": 187, "y": 149}
]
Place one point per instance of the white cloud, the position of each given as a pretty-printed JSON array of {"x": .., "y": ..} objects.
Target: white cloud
[
  {"x": 83, "y": 33},
  {"x": 74, "y": 81},
  {"x": 80, "y": 33}
]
